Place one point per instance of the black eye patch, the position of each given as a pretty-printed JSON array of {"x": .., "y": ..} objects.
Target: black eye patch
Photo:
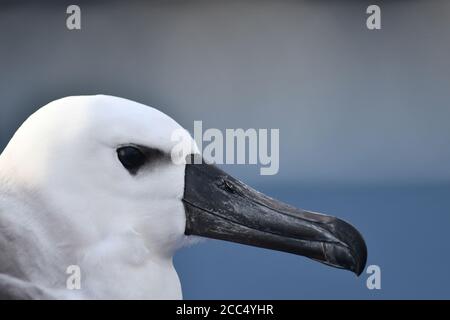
[{"x": 135, "y": 157}]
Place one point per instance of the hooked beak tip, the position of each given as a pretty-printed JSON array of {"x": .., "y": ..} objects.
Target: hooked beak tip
[{"x": 350, "y": 253}]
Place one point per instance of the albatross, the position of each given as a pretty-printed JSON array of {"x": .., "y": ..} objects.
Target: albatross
[{"x": 90, "y": 181}]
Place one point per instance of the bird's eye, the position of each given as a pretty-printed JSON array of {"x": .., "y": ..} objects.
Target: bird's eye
[{"x": 131, "y": 158}]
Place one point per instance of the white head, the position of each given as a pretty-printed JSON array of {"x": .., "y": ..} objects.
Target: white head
[{"x": 67, "y": 152}]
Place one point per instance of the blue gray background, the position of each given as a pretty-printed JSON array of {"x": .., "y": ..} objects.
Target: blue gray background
[{"x": 363, "y": 118}]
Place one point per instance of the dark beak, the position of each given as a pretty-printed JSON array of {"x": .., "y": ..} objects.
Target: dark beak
[{"x": 220, "y": 207}]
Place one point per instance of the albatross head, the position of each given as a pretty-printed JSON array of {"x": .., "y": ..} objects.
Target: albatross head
[{"x": 104, "y": 169}]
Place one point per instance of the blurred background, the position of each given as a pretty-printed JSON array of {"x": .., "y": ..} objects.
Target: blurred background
[{"x": 363, "y": 118}]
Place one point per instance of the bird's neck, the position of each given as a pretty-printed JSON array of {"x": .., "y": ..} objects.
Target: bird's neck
[
  {"x": 122, "y": 267},
  {"x": 116, "y": 266}
]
